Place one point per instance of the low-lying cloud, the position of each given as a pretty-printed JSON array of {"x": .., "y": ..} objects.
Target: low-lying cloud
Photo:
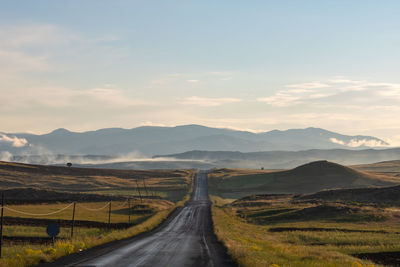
[
  {"x": 359, "y": 142},
  {"x": 13, "y": 140},
  {"x": 209, "y": 101}
]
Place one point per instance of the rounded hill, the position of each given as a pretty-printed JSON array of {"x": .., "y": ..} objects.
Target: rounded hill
[
  {"x": 308, "y": 178},
  {"x": 319, "y": 175}
]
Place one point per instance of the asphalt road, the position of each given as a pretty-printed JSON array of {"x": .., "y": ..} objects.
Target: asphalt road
[{"x": 186, "y": 239}]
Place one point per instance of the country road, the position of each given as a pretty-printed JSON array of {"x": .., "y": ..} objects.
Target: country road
[{"x": 187, "y": 239}]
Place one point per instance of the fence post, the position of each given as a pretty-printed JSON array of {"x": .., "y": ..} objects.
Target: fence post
[
  {"x": 1, "y": 223},
  {"x": 145, "y": 188},
  {"x": 129, "y": 210},
  {"x": 137, "y": 187},
  {"x": 109, "y": 215},
  {"x": 73, "y": 221}
]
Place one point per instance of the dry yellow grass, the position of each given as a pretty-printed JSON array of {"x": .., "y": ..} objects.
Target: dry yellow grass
[
  {"x": 253, "y": 245},
  {"x": 171, "y": 184},
  {"x": 28, "y": 255}
]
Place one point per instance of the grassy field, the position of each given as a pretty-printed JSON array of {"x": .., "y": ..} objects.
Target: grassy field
[
  {"x": 30, "y": 254},
  {"x": 262, "y": 233},
  {"x": 91, "y": 211},
  {"x": 308, "y": 178},
  {"x": 169, "y": 184},
  {"x": 347, "y": 227},
  {"x": 387, "y": 168},
  {"x": 153, "y": 195}
]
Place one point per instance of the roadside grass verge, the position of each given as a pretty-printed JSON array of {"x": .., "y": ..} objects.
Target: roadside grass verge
[
  {"x": 28, "y": 255},
  {"x": 253, "y": 245}
]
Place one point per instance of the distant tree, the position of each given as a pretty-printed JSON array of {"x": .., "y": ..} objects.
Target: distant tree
[
  {"x": 69, "y": 164},
  {"x": 262, "y": 168}
]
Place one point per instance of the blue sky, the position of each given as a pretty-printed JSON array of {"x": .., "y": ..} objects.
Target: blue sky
[{"x": 255, "y": 65}]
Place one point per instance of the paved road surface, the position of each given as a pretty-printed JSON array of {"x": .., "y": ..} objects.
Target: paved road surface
[{"x": 186, "y": 240}]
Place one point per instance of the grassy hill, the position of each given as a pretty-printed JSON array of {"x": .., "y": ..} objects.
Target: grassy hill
[
  {"x": 308, "y": 178},
  {"x": 169, "y": 184},
  {"x": 382, "y": 196},
  {"x": 389, "y": 168}
]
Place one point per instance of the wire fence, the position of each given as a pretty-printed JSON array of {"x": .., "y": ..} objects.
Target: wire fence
[
  {"x": 37, "y": 214},
  {"x": 28, "y": 218}
]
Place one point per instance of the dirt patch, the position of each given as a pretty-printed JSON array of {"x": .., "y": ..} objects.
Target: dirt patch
[{"x": 384, "y": 258}]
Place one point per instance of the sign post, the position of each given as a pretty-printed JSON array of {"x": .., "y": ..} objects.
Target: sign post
[
  {"x": 109, "y": 215},
  {"x": 53, "y": 230},
  {"x": 129, "y": 210},
  {"x": 1, "y": 222},
  {"x": 73, "y": 221}
]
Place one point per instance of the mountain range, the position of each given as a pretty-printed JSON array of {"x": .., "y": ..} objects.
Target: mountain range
[
  {"x": 149, "y": 140},
  {"x": 286, "y": 159}
]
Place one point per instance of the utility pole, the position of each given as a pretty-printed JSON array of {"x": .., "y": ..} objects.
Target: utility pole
[
  {"x": 129, "y": 210},
  {"x": 137, "y": 187},
  {"x": 1, "y": 223},
  {"x": 145, "y": 188},
  {"x": 109, "y": 215},
  {"x": 73, "y": 221}
]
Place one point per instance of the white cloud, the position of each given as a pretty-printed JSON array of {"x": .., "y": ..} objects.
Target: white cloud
[
  {"x": 5, "y": 156},
  {"x": 337, "y": 141},
  {"x": 193, "y": 81},
  {"x": 339, "y": 92},
  {"x": 12, "y": 62},
  {"x": 13, "y": 140},
  {"x": 18, "y": 36},
  {"x": 311, "y": 85},
  {"x": 359, "y": 142},
  {"x": 366, "y": 142},
  {"x": 111, "y": 96},
  {"x": 209, "y": 101},
  {"x": 33, "y": 98}
]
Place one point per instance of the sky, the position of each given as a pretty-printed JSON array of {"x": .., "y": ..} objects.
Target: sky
[{"x": 250, "y": 65}]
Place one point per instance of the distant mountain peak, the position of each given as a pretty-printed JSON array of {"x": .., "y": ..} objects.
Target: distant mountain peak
[{"x": 60, "y": 131}]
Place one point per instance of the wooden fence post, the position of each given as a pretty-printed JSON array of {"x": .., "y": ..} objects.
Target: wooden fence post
[
  {"x": 145, "y": 188},
  {"x": 129, "y": 210},
  {"x": 1, "y": 223},
  {"x": 109, "y": 215},
  {"x": 137, "y": 187},
  {"x": 73, "y": 221}
]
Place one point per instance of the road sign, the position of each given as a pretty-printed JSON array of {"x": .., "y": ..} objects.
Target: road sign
[{"x": 53, "y": 229}]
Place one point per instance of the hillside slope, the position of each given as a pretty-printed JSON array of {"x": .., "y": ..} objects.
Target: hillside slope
[
  {"x": 383, "y": 195},
  {"x": 287, "y": 159},
  {"x": 170, "y": 184},
  {"x": 308, "y": 178}
]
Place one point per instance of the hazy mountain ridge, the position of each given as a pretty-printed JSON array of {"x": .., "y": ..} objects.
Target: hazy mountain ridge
[
  {"x": 150, "y": 140},
  {"x": 287, "y": 159}
]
